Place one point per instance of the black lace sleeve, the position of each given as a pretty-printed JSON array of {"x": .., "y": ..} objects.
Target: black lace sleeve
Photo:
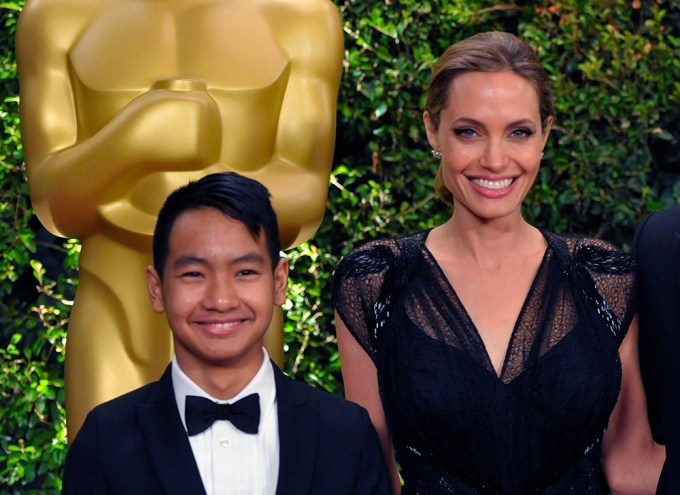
[
  {"x": 614, "y": 275},
  {"x": 358, "y": 284}
]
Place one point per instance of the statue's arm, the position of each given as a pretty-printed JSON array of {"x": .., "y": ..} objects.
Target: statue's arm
[
  {"x": 311, "y": 33},
  {"x": 46, "y": 30}
]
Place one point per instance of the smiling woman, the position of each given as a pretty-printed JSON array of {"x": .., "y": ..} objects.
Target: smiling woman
[
  {"x": 491, "y": 138},
  {"x": 488, "y": 352}
]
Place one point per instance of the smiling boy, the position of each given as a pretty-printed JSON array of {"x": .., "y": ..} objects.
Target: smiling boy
[{"x": 223, "y": 418}]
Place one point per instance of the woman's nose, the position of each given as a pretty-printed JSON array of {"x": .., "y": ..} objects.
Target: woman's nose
[{"x": 494, "y": 156}]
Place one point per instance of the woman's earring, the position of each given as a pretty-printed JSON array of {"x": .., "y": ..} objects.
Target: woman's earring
[
  {"x": 542, "y": 155},
  {"x": 436, "y": 154}
]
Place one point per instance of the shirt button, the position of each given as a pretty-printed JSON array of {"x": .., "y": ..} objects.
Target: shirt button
[{"x": 224, "y": 443}]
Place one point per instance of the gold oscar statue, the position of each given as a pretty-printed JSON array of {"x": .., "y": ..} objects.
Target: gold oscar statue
[{"x": 122, "y": 101}]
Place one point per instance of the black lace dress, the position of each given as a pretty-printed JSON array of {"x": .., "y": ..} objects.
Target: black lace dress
[{"x": 457, "y": 426}]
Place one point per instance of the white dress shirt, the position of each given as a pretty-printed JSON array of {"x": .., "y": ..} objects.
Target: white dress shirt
[{"x": 230, "y": 461}]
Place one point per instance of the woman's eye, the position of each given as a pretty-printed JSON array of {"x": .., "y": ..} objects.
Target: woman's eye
[
  {"x": 522, "y": 132},
  {"x": 465, "y": 132}
]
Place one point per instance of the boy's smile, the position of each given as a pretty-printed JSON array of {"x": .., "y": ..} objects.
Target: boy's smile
[{"x": 218, "y": 291}]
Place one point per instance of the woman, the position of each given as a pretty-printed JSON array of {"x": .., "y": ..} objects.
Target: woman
[{"x": 489, "y": 353}]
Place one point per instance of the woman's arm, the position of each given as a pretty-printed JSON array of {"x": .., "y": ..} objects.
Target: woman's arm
[
  {"x": 631, "y": 460},
  {"x": 361, "y": 386}
]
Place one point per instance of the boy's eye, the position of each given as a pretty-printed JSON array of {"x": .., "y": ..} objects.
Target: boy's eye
[{"x": 191, "y": 274}]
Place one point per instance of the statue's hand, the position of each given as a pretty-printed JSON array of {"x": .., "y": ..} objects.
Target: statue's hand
[{"x": 175, "y": 126}]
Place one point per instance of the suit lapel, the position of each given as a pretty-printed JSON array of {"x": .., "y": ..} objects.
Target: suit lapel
[
  {"x": 167, "y": 441},
  {"x": 298, "y": 436}
]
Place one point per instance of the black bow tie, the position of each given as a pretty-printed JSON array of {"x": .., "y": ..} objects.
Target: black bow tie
[{"x": 200, "y": 413}]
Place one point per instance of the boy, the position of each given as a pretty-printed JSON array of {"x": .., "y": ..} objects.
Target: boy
[{"x": 217, "y": 276}]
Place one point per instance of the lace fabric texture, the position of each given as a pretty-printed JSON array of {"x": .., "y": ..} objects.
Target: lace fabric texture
[{"x": 457, "y": 426}]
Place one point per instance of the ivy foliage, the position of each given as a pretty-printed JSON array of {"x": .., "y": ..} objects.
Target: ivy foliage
[
  {"x": 612, "y": 157},
  {"x": 34, "y": 310}
]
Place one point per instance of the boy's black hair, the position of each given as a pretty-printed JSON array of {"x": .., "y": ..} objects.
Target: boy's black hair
[{"x": 236, "y": 196}]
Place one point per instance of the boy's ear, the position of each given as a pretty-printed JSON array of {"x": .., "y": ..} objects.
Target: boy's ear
[
  {"x": 154, "y": 286},
  {"x": 280, "y": 281}
]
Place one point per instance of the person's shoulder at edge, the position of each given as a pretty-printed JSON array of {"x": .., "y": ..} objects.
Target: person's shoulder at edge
[{"x": 657, "y": 225}]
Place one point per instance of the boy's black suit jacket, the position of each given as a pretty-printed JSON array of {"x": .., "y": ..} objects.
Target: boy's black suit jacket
[{"x": 136, "y": 444}]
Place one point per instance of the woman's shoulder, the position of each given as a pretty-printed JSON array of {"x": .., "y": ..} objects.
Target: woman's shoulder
[
  {"x": 364, "y": 280},
  {"x": 604, "y": 274},
  {"x": 595, "y": 255},
  {"x": 378, "y": 255}
]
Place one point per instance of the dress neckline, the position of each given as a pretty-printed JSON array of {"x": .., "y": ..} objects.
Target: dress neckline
[{"x": 488, "y": 364}]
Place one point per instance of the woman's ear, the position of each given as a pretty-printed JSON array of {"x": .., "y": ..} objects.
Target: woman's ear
[
  {"x": 546, "y": 129},
  {"x": 430, "y": 129}
]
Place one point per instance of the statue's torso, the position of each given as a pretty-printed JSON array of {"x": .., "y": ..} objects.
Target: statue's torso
[{"x": 234, "y": 47}]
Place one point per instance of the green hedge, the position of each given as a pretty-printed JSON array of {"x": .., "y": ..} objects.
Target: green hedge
[{"x": 613, "y": 157}]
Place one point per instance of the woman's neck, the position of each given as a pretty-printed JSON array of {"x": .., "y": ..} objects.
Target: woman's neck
[{"x": 486, "y": 244}]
